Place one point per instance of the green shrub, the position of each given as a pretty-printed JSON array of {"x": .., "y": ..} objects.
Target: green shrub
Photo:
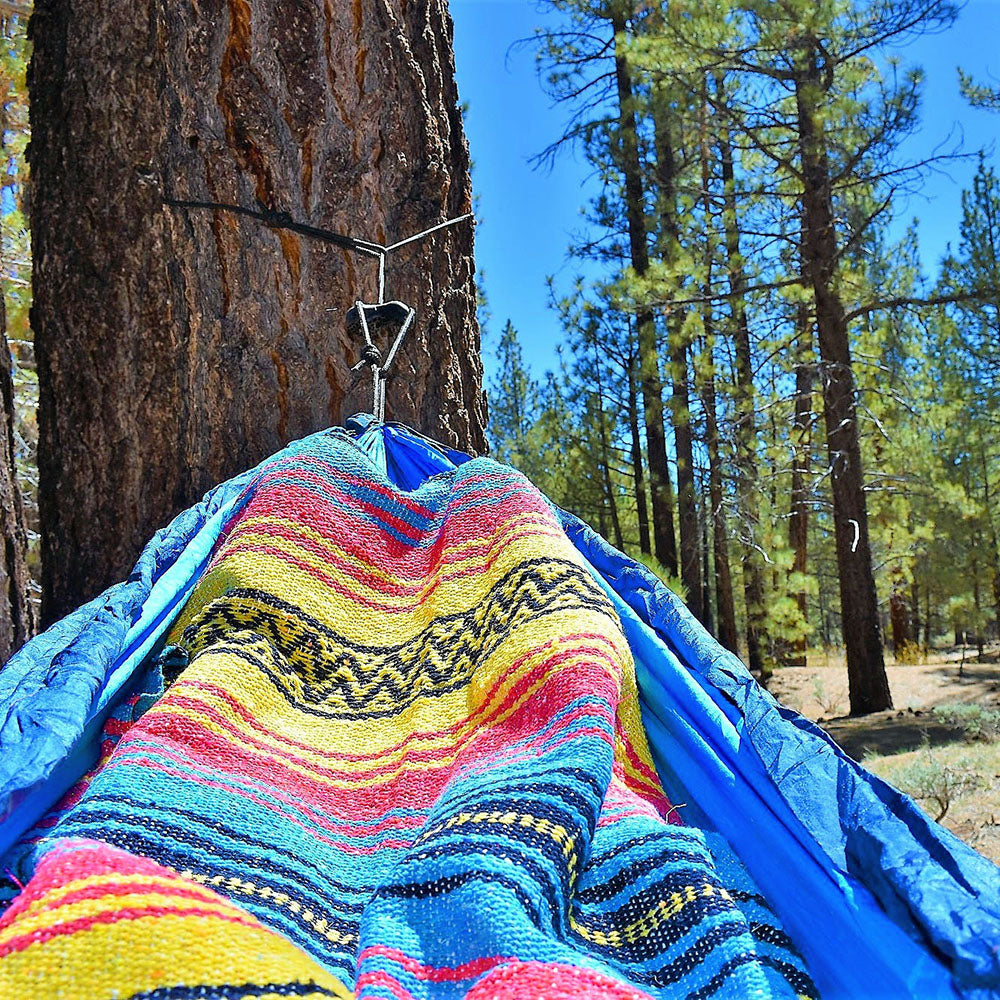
[
  {"x": 980, "y": 723},
  {"x": 930, "y": 779}
]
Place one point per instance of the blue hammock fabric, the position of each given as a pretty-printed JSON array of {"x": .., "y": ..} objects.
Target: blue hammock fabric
[{"x": 879, "y": 900}]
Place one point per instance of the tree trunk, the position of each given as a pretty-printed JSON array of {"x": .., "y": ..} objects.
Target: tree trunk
[
  {"x": 638, "y": 470},
  {"x": 867, "y": 682},
  {"x": 680, "y": 403},
  {"x": 605, "y": 462},
  {"x": 16, "y": 613},
  {"x": 724, "y": 600},
  {"x": 746, "y": 427},
  {"x": 176, "y": 347},
  {"x": 706, "y": 568},
  {"x": 798, "y": 522},
  {"x": 661, "y": 490},
  {"x": 898, "y": 620},
  {"x": 991, "y": 528},
  {"x": 705, "y": 381}
]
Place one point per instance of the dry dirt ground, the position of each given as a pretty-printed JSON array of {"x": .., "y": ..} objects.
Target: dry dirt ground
[{"x": 898, "y": 744}]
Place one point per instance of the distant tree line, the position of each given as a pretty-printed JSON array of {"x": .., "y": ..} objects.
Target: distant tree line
[{"x": 762, "y": 396}]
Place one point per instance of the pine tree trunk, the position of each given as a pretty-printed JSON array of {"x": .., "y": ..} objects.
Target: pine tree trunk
[
  {"x": 915, "y": 610},
  {"x": 706, "y": 568},
  {"x": 661, "y": 489},
  {"x": 16, "y": 613},
  {"x": 605, "y": 460},
  {"x": 746, "y": 424},
  {"x": 680, "y": 404},
  {"x": 898, "y": 620},
  {"x": 175, "y": 347},
  {"x": 724, "y": 601},
  {"x": 705, "y": 381},
  {"x": 867, "y": 682},
  {"x": 993, "y": 540},
  {"x": 798, "y": 522},
  {"x": 638, "y": 470}
]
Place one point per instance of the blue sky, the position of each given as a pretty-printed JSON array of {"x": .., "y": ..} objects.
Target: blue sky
[{"x": 528, "y": 214}]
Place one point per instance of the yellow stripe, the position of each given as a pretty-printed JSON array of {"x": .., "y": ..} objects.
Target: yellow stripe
[
  {"x": 663, "y": 911},
  {"x": 135, "y": 956},
  {"x": 233, "y": 570},
  {"x": 233, "y": 885}
]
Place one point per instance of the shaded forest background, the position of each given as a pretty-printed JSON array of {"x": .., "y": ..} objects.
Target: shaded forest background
[{"x": 768, "y": 400}]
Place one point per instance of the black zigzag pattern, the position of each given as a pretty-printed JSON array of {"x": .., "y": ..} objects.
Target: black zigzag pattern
[{"x": 319, "y": 669}]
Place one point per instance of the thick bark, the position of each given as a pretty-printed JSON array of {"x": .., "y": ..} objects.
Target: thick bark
[
  {"x": 687, "y": 500},
  {"x": 661, "y": 489},
  {"x": 638, "y": 469},
  {"x": 178, "y": 347},
  {"x": 605, "y": 463},
  {"x": 798, "y": 522},
  {"x": 867, "y": 683},
  {"x": 746, "y": 425},
  {"x": 16, "y": 612},
  {"x": 976, "y": 598}
]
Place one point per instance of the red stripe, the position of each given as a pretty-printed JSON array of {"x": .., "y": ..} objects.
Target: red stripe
[{"x": 44, "y": 934}]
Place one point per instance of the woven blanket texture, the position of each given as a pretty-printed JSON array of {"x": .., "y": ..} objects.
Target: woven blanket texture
[{"x": 398, "y": 755}]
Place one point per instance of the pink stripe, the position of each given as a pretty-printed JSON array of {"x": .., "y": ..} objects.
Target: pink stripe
[
  {"x": 430, "y": 973},
  {"x": 382, "y": 979}
]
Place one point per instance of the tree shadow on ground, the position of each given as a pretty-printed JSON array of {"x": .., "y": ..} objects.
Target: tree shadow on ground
[{"x": 890, "y": 733}]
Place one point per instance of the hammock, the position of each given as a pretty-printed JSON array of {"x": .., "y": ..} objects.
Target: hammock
[{"x": 374, "y": 719}]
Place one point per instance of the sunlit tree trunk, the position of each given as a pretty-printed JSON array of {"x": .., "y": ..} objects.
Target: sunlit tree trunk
[
  {"x": 867, "y": 681},
  {"x": 638, "y": 466},
  {"x": 798, "y": 522},
  {"x": 650, "y": 380},
  {"x": 16, "y": 613},
  {"x": 680, "y": 402},
  {"x": 746, "y": 424}
]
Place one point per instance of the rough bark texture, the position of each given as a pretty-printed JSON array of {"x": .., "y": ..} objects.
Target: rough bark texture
[
  {"x": 177, "y": 347},
  {"x": 867, "y": 683},
  {"x": 661, "y": 489},
  {"x": 705, "y": 380},
  {"x": 16, "y": 613}
]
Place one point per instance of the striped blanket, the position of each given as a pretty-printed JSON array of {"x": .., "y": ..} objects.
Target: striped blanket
[{"x": 393, "y": 749}]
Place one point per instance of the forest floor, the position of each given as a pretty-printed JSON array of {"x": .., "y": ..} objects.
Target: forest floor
[{"x": 926, "y": 745}]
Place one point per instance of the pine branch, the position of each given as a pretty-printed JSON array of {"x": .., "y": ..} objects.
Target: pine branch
[{"x": 903, "y": 301}]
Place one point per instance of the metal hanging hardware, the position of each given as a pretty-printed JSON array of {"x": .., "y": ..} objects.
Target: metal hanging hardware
[
  {"x": 384, "y": 313},
  {"x": 380, "y": 313}
]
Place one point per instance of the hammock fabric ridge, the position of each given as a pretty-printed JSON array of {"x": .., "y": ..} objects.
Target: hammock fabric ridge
[{"x": 377, "y": 720}]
